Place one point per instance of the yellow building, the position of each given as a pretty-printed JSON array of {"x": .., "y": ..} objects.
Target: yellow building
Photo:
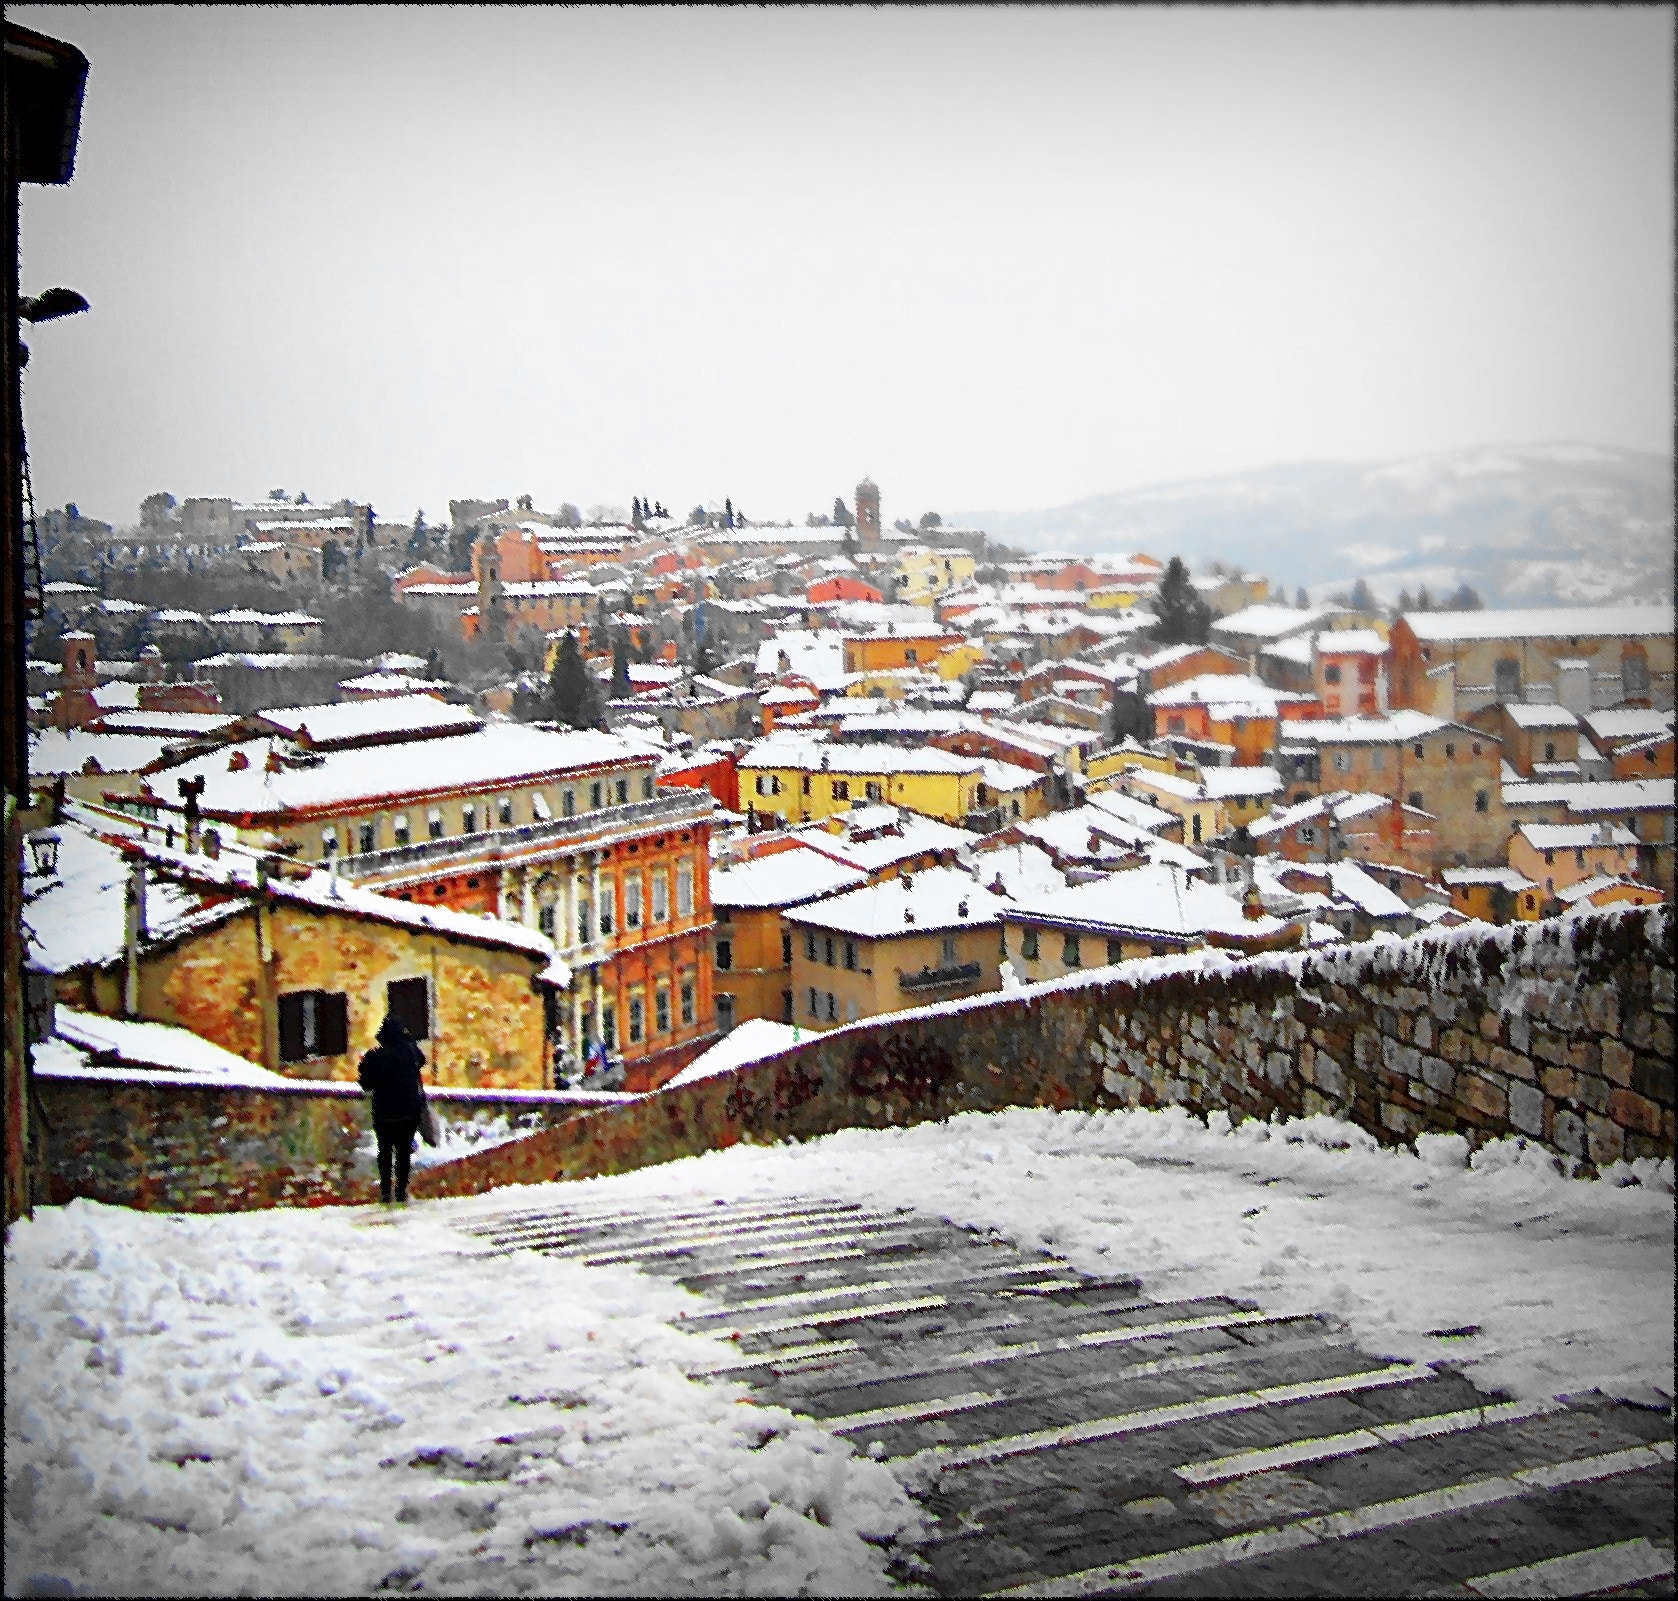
[
  {"x": 753, "y": 950},
  {"x": 898, "y": 645},
  {"x": 923, "y": 575},
  {"x": 296, "y": 974},
  {"x": 1204, "y": 816},
  {"x": 801, "y": 780},
  {"x": 1493, "y": 894},
  {"x": 908, "y": 941}
]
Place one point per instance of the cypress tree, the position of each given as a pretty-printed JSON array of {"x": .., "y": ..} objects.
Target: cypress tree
[
  {"x": 1184, "y": 616},
  {"x": 573, "y": 696}
]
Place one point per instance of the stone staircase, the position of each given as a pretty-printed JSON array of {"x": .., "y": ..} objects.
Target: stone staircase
[{"x": 1071, "y": 1437}]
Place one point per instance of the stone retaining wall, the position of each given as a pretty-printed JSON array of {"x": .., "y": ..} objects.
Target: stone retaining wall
[
  {"x": 1560, "y": 1031},
  {"x": 158, "y": 1142}
]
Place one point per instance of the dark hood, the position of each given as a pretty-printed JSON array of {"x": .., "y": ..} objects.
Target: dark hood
[{"x": 391, "y": 1032}]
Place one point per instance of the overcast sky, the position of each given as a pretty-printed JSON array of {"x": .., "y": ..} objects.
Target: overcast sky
[{"x": 994, "y": 258}]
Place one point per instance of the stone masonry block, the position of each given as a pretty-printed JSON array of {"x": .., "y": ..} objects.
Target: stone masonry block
[
  {"x": 1652, "y": 1076},
  {"x": 1438, "y": 1075},
  {"x": 1633, "y": 1111},
  {"x": 1569, "y": 1133},
  {"x": 1329, "y": 1077},
  {"x": 1483, "y": 1096},
  {"x": 1591, "y": 1091},
  {"x": 1404, "y": 1059},
  {"x": 1617, "y": 1063},
  {"x": 1601, "y": 1006},
  {"x": 1604, "y": 1140},
  {"x": 1491, "y": 1026},
  {"x": 1559, "y": 1082},
  {"x": 1366, "y": 1049},
  {"x": 1505, "y": 1061},
  {"x": 1526, "y": 1109},
  {"x": 1422, "y": 1034},
  {"x": 1520, "y": 1034},
  {"x": 1276, "y": 1067},
  {"x": 1396, "y": 1118},
  {"x": 1660, "y": 990}
]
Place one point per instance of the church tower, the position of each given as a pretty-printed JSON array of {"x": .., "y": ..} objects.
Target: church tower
[{"x": 868, "y": 514}]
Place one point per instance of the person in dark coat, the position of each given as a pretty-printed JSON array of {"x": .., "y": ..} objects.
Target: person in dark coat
[{"x": 390, "y": 1073}]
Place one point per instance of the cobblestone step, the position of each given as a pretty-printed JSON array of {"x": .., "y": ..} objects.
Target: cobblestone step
[{"x": 1069, "y": 1436}]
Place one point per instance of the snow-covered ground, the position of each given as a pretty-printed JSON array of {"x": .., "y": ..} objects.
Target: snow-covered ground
[{"x": 202, "y": 1405}]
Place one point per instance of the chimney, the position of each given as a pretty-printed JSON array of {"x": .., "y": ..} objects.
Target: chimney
[{"x": 1252, "y": 908}]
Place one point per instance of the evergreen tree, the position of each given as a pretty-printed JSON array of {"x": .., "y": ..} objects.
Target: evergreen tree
[
  {"x": 1301, "y": 599},
  {"x": 1184, "y": 616},
  {"x": 841, "y": 516},
  {"x": 1467, "y": 598},
  {"x": 727, "y": 512},
  {"x": 635, "y": 510},
  {"x": 419, "y": 542},
  {"x": 1362, "y": 600},
  {"x": 573, "y": 695},
  {"x": 1406, "y": 601},
  {"x": 1424, "y": 601},
  {"x": 434, "y": 668},
  {"x": 620, "y": 667},
  {"x": 332, "y": 561}
]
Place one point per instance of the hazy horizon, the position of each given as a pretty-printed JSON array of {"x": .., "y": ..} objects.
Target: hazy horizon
[{"x": 1001, "y": 259}]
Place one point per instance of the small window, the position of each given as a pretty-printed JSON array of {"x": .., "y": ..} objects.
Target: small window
[
  {"x": 1549, "y": 858},
  {"x": 763, "y": 782},
  {"x": 689, "y": 1011},
  {"x": 1450, "y": 751},
  {"x": 786, "y": 1006},
  {"x": 850, "y": 955},
  {"x": 399, "y": 828},
  {"x": 725, "y": 955},
  {"x": 1115, "y": 951},
  {"x": 661, "y": 1010},
  {"x": 623, "y": 792},
  {"x": 1331, "y": 673},
  {"x": 1069, "y": 951},
  {"x": 637, "y": 1019},
  {"x": 608, "y": 908},
  {"x": 684, "y": 889},
  {"x": 725, "y": 1013},
  {"x": 815, "y": 1003},
  {"x": 1419, "y": 751},
  {"x": 596, "y": 795},
  {"x": 832, "y": 1008},
  {"x": 609, "y": 1026},
  {"x": 329, "y": 842},
  {"x": 434, "y": 823},
  {"x": 804, "y": 785},
  {"x": 874, "y": 791},
  {"x": 910, "y": 655},
  {"x": 1476, "y": 747},
  {"x": 827, "y": 950},
  {"x": 469, "y": 819},
  {"x": 948, "y": 954},
  {"x": 568, "y": 803},
  {"x": 647, "y": 786},
  {"x": 313, "y": 1023},
  {"x": 504, "y": 811},
  {"x": 1342, "y": 761},
  {"x": 841, "y": 789},
  {"x": 1307, "y": 834},
  {"x": 1028, "y": 945},
  {"x": 1482, "y": 801},
  {"x": 661, "y": 895},
  {"x": 367, "y": 837},
  {"x": 1578, "y": 858},
  {"x": 786, "y": 950},
  {"x": 1549, "y": 750},
  {"x": 810, "y": 946},
  {"x": 408, "y": 1000},
  {"x": 585, "y": 923},
  {"x": 1378, "y": 760}
]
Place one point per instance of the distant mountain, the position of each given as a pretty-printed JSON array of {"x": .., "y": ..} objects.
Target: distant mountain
[{"x": 1525, "y": 524}]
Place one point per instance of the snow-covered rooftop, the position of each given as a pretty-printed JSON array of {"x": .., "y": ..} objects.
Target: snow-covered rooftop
[
  {"x": 1266, "y": 621},
  {"x": 785, "y": 878},
  {"x": 345, "y": 722},
  {"x": 1574, "y": 836},
  {"x": 1524, "y": 714},
  {"x": 1350, "y": 642},
  {"x": 1556, "y": 622},
  {"x": 933, "y": 899},
  {"x": 1153, "y": 899},
  {"x": 492, "y": 755},
  {"x": 55, "y": 750},
  {"x": 1392, "y": 729},
  {"x": 158, "y": 1046},
  {"x": 801, "y": 753}
]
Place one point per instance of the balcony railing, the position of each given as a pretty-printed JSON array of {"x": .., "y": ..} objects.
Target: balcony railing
[
  {"x": 491, "y": 844},
  {"x": 934, "y": 978}
]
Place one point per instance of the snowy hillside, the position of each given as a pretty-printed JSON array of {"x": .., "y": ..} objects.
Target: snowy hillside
[{"x": 1525, "y": 525}]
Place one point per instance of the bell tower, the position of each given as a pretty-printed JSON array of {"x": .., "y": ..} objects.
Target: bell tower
[{"x": 868, "y": 514}]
